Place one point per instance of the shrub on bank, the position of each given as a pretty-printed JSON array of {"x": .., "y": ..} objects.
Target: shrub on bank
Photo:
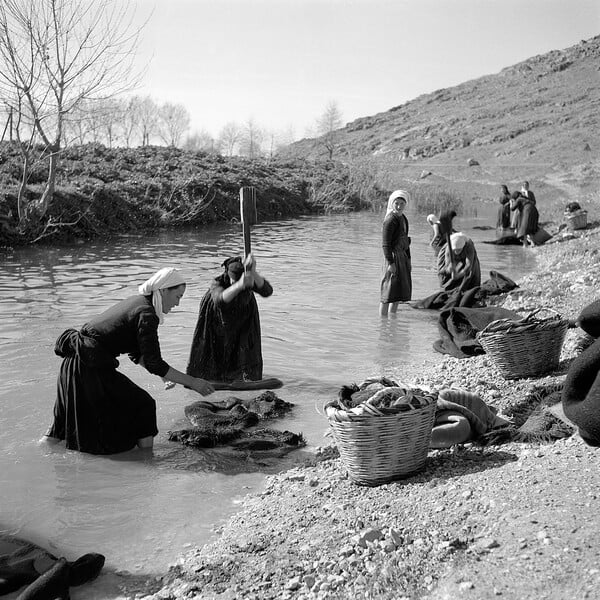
[{"x": 103, "y": 191}]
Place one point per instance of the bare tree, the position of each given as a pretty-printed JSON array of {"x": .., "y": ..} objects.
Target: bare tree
[
  {"x": 327, "y": 125},
  {"x": 99, "y": 121},
  {"x": 148, "y": 120},
  {"x": 200, "y": 141},
  {"x": 110, "y": 113},
  {"x": 229, "y": 138},
  {"x": 25, "y": 138},
  {"x": 54, "y": 54},
  {"x": 284, "y": 138},
  {"x": 174, "y": 121},
  {"x": 130, "y": 120},
  {"x": 252, "y": 137},
  {"x": 75, "y": 130}
]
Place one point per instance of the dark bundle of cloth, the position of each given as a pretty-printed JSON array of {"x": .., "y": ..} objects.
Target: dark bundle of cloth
[
  {"x": 23, "y": 563},
  {"x": 509, "y": 239},
  {"x": 581, "y": 391},
  {"x": 474, "y": 297},
  {"x": 459, "y": 326}
]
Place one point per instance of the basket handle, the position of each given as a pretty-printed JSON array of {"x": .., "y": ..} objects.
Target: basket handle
[{"x": 537, "y": 310}]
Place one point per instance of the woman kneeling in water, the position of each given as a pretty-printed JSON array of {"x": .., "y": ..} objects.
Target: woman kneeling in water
[{"x": 98, "y": 409}]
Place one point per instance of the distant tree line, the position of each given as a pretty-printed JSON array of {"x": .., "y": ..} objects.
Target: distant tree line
[
  {"x": 142, "y": 121},
  {"x": 65, "y": 69}
]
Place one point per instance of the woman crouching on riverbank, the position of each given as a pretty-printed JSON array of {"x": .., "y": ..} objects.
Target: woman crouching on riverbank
[
  {"x": 99, "y": 410},
  {"x": 458, "y": 265}
]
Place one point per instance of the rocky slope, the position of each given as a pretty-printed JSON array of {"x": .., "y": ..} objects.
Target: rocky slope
[
  {"x": 518, "y": 520},
  {"x": 535, "y": 120}
]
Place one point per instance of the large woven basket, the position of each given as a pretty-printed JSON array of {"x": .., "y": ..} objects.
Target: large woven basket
[
  {"x": 576, "y": 220},
  {"x": 525, "y": 348},
  {"x": 376, "y": 450}
]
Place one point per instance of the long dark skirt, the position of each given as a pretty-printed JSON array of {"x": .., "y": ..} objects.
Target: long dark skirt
[
  {"x": 100, "y": 411},
  {"x": 397, "y": 287},
  {"x": 227, "y": 342}
]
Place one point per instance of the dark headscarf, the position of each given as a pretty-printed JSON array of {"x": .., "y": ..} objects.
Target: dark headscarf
[{"x": 233, "y": 264}]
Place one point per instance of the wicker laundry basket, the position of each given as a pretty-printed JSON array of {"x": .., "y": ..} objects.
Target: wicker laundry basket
[
  {"x": 379, "y": 449},
  {"x": 525, "y": 348},
  {"x": 576, "y": 220}
]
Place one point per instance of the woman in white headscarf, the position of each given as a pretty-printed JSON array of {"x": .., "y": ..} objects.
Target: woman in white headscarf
[
  {"x": 396, "y": 283},
  {"x": 458, "y": 265},
  {"x": 98, "y": 409}
]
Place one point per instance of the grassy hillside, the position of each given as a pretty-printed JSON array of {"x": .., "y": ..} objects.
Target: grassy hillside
[{"x": 537, "y": 120}]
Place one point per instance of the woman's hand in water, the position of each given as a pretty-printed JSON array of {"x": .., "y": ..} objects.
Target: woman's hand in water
[{"x": 202, "y": 386}]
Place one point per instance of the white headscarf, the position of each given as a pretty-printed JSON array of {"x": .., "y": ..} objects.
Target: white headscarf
[
  {"x": 458, "y": 241},
  {"x": 165, "y": 278},
  {"x": 393, "y": 197}
]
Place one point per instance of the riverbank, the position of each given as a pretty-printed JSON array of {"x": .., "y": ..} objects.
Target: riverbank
[
  {"x": 103, "y": 192},
  {"x": 517, "y": 520}
]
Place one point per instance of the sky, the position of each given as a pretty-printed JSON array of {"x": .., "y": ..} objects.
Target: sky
[{"x": 281, "y": 62}]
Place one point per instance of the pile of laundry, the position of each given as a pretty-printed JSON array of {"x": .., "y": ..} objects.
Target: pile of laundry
[{"x": 377, "y": 397}]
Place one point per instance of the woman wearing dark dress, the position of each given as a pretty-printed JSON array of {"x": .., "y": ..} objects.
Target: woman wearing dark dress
[
  {"x": 98, "y": 409},
  {"x": 396, "y": 284},
  {"x": 461, "y": 271},
  {"x": 515, "y": 210},
  {"x": 503, "y": 221},
  {"x": 528, "y": 219},
  {"x": 527, "y": 193},
  {"x": 227, "y": 344}
]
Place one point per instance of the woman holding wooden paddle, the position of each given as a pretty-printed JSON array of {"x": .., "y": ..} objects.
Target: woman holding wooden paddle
[{"x": 227, "y": 340}]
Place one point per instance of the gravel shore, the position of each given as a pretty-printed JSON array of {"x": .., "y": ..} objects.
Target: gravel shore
[{"x": 518, "y": 520}]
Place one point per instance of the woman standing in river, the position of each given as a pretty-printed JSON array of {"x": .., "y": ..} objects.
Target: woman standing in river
[
  {"x": 396, "y": 284},
  {"x": 98, "y": 409},
  {"x": 227, "y": 339},
  {"x": 503, "y": 220}
]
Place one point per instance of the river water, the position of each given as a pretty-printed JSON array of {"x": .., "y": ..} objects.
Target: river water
[{"x": 321, "y": 330}]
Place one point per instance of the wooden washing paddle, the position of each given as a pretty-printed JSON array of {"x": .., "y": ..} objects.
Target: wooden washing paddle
[
  {"x": 248, "y": 215},
  {"x": 272, "y": 383}
]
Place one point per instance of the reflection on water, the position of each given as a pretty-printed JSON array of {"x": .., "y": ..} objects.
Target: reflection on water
[{"x": 321, "y": 329}]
